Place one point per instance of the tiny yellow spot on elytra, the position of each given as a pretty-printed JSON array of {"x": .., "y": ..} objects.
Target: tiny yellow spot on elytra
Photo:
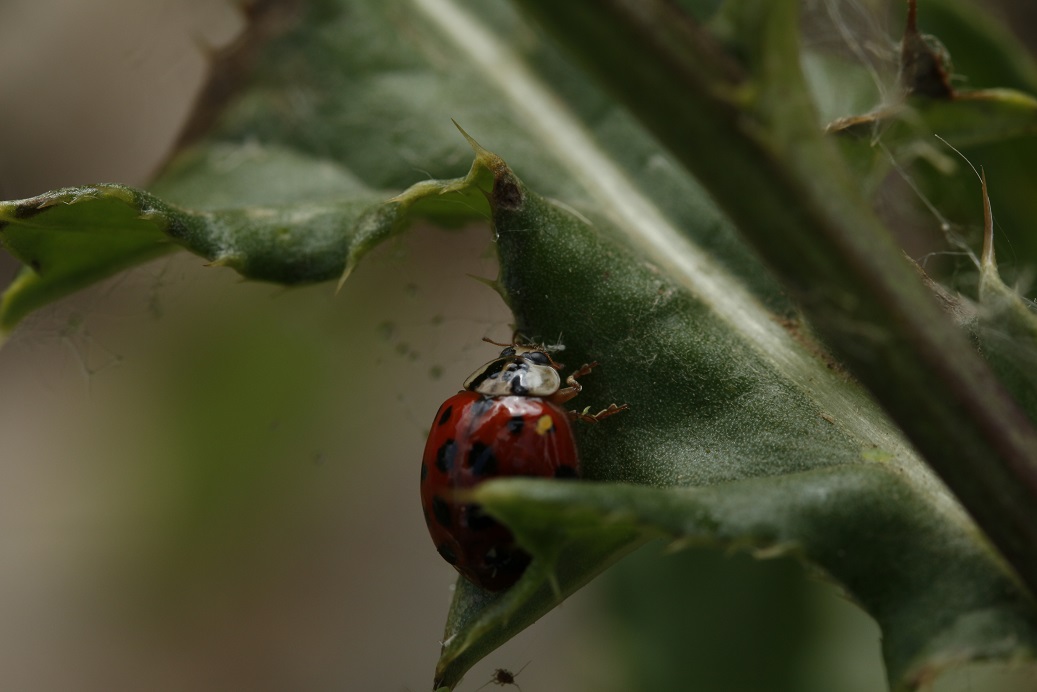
[{"x": 544, "y": 424}]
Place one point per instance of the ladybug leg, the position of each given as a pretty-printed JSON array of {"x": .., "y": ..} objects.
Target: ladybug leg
[
  {"x": 588, "y": 417},
  {"x": 574, "y": 388},
  {"x": 563, "y": 395}
]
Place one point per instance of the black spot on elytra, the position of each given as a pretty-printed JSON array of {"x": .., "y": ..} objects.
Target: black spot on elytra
[
  {"x": 565, "y": 472},
  {"x": 477, "y": 519},
  {"x": 516, "y": 424},
  {"x": 447, "y": 554},
  {"x": 424, "y": 472},
  {"x": 492, "y": 557},
  {"x": 508, "y": 560},
  {"x": 481, "y": 460},
  {"x": 445, "y": 456},
  {"x": 480, "y": 407},
  {"x": 442, "y": 511},
  {"x": 446, "y": 415}
]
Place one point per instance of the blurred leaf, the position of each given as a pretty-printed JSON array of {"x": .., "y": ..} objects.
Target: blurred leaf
[
  {"x": 992, "y": 120},
  {"x": 744, "y": 609},
  {"x": 899, "y": 134},
  {"x": 984, "y": 51}
]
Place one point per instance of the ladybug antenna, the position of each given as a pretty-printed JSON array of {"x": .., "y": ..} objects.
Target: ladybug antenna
[
  {"x": 548, "y": 349},
  {"x": 497, "y": 343},
  {"x": 554, "y": 363},
  {"x": 517, "y": 339}
]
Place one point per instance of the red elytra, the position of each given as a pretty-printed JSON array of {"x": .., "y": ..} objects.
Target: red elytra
[
  {"x": 505, "y": 423},
  {"x": 473, "y": 438}
]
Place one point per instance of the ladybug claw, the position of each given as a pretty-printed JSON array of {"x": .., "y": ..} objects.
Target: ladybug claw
[
  {"x": 574, "y": 388},
  {"x": 587, "y": 417},
  {"x": 585, "y": 370}
]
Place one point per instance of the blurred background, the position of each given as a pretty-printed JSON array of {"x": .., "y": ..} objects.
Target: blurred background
[{"x": 212, "y": 485}]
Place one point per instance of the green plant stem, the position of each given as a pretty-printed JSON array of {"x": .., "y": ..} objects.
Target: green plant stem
[{"x": 748, "y": 132}]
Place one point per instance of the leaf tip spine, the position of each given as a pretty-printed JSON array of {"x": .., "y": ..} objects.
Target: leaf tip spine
[
  {"x": 987, "y": 257},
  {"x": 350, "y": 265}
]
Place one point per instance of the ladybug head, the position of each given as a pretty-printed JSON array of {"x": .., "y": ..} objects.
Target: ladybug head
[{"x": 518, "y": 371}]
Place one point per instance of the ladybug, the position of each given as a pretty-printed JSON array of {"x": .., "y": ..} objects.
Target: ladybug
[{"x": 505, "y": 422}]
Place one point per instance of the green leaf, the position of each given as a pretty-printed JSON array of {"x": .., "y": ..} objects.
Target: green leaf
[
  {"x": 823, "y": 239},
  {"x": 1006, "y": 324},
  {"x": 71, "y": 238},
  {"x": 50, "y": 234},
  {"x": 1007, "y": 329},
  {"x": 717, "y": 414},
  {"x": 946, "y": 601}
]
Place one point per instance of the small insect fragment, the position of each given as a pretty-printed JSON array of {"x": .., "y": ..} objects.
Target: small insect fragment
[{"x": 503, "y": 676}]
